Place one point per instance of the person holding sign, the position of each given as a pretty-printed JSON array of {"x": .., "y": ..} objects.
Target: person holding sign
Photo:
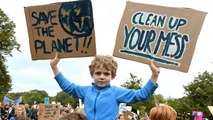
[{"x": 101, "y": 100}]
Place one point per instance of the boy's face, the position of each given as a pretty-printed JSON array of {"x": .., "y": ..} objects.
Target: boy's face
[{"x": 102, "y": 76}]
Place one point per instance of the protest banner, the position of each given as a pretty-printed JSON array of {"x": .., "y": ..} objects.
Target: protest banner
[
  {"x": 65, "y": 27},
  {"x": 210, "y": 109},
  {"x": 48, "y": 112},
  {"x": 197, "y": 115},
  {"x": 168, "y": 35},
  {"x": 8, "y": 100}
]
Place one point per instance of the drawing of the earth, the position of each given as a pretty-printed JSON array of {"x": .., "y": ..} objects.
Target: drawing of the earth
[{"x": 76, "y": 18}]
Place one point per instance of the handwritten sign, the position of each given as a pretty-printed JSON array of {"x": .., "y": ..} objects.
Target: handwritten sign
[
  {"x": 197, "y": 115},
  {"x": 211, "y": 109},
  {"x": 67, "y": 28},
  {"x": 49, "y": 112},
  {"x": 165, "y": 34}
]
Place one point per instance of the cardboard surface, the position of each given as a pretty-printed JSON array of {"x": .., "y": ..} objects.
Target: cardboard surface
[
  {"x": 211, "y": 109},
  {"x": 67, "y": 28},
  {"x": 49, "y": 112},
  {"x": 166, "y": 34}
]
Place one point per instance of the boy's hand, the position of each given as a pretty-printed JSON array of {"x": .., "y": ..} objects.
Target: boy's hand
[
  {"x": 54, "y": 62},
  {"x": 155, "y": 71}
]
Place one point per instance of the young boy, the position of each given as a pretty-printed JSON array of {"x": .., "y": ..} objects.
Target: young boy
[{"x": 101, "y": 100}]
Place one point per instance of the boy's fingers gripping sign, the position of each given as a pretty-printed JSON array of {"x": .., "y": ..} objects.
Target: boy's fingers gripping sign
[
  {"x": 57, "y": 55},
  {"x": 154, "y": 68},
  {"x": 55, "y": 60}
]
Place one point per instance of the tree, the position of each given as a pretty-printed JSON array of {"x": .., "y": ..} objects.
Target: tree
[
  {"x": 34, "y": 96},
  {"x": 65, "y": 99},
  {"x": 200, "y": 93},
  {"x": 30, "y": 97},
  {"x": 5, "y": 80},
  {"x": 182, "y": 107},
  {"x": 133, "y": 83},
  {"x": 7, "y": 44},
  {"x": 7, "y": 39}
]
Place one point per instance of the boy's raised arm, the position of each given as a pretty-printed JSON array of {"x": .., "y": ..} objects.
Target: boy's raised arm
[
  {"x": 155, "y": 71},
  {"x": 54, "y": 62}
]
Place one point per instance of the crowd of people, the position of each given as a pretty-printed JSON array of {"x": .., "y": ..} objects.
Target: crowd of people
[
  {"x": 101, "y": 100},
  {"x": 17, "y": 112},
  {"x": 24, "y": 112}
]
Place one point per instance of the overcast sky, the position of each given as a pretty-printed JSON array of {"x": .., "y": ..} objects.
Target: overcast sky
[{"x": 29, "y": 75}]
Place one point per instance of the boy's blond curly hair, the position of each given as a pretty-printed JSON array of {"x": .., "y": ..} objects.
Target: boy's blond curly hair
[{"x": 108, "y": 62}]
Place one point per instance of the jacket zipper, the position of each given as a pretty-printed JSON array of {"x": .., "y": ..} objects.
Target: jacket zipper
[{"x": 98, "y": 93}]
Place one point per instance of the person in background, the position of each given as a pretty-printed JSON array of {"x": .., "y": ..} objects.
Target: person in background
[
  {"x": 19, "y": 112},
  {"x": 11, "y": 110},
  {"x": 34, "y": 112},
  {"x": 101, "y": 100},
  {"x": 63, "y": 112},
  {"x": 4, "y": 111},
  {"x": 120, "y": 117},
  {"x": 163, "y": 112},
  {"x": 28, "y": 110}
]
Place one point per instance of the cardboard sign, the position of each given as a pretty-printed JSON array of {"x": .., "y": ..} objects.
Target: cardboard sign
[
  {"x": 211, "y": 109},
  {"x": 197, "y": 115},
  {"x": 48, "y": 112},
  {"x": 165, "y": 34},
  {"x": 67, "y": 28}
]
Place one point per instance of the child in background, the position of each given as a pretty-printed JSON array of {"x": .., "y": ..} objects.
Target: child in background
[
  {"x": 163, "y": 112},
  {"x": 20, "y": 112},
  {"x": 101, "y": 100},
  {"x": 120, "y": 117}
]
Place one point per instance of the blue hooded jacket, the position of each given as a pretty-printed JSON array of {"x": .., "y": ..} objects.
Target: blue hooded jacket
[{"x": 103, "y": 103}]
